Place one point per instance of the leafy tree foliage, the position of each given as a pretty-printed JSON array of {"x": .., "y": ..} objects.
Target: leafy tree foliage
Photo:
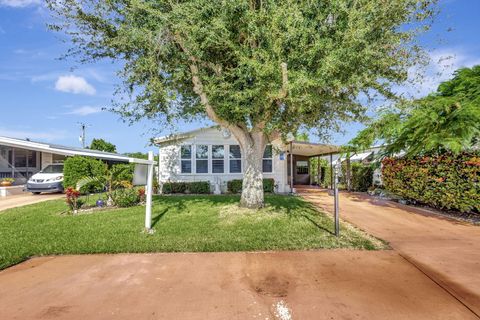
[
  {"x": 102, "y": 145},
  {"x": 260, "y": 68},
  {"x": 447, "y": 120}
]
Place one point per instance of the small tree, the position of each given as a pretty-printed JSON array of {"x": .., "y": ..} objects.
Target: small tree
[
  {"x": 102, "y": 145},
  {"x": 258, "y": 68},
  {"x": 447, "y": 120}
]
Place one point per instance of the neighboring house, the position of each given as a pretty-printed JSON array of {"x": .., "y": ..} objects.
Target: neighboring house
[
  {"x": 367, "y": 156},
  {"x": 213, "y": 154},
  {"x": 20, "y": 159}
]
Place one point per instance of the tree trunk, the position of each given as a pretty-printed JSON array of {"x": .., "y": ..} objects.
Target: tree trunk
[{"x": 252, "y": 188}]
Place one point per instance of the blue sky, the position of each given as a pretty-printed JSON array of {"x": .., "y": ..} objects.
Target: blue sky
[{"x": 43, "y": 98}]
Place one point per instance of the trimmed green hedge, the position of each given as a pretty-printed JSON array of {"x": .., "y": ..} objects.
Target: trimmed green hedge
[
  {"x": 235, "y": 186},
  {"x": 443, "y": 181},
  {"x": 196, "y": 187},
  {"x": 362, "y": 177},
  {"x": 78, "y": 167}
]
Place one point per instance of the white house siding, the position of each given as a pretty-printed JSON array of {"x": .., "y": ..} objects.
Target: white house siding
[{"x": 170, "y": 161}]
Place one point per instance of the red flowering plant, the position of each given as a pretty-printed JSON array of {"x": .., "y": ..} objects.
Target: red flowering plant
[
  {"x": 73, "y": 199},
  {"x": 141, "y": 194},
  {"x": 446, "y": 181}
]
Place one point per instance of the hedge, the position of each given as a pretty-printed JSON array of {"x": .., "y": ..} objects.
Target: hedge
[
  {"x": 78, "y": 167},
  {"x": 362, "y": 177},
  {"x": 196, "y": 187},
  {"x": 235, "y": 185},
  {"x": 443, "y": 181}
]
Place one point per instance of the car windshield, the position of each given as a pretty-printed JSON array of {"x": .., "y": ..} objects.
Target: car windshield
[{"x": 53, "y": 169}]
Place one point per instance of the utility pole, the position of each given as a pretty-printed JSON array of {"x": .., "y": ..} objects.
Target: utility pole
[{"x": 82, "y": 137}]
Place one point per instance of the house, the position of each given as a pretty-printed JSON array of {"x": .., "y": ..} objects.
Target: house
[
  {"x": 20, "y": 159},
  {"x": 213, "y": 154},
  {"x": 366, "y": 157}
]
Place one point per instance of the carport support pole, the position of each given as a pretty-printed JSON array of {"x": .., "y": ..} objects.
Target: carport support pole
[
  {"x": 331, "y": 171},
  {"x": 336, "y": 205},
  {"x": 291, "y": 167},
  {"x": 148, "y": 193}
]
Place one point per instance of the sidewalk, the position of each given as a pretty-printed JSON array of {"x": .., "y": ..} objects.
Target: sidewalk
[
  {"x": 24, "y": 199},
  {"x": 288, "y": 285}
]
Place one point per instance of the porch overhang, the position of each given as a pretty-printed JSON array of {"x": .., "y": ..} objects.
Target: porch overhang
[{"x": 310, "y": 149}]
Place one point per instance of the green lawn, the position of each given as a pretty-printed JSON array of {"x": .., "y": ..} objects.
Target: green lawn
[{"x": 181, "y": 223}]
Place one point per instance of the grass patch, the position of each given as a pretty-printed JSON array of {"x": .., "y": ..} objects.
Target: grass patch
[{"x": 181, "y": 223}]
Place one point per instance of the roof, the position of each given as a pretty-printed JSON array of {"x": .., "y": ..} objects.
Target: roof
[
  {"x": 68, "y": 151},
  {"x": 360, "y": 156},
  {"x": 310, "y": 149},
  {"x": 180, "y": 136},
  {"x": 299, "y": 147}
]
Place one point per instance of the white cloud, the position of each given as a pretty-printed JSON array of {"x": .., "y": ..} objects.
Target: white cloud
[
  {"x": 74, "y": 84},
  {"x": 53, "y": 135},
  {"x": 85, "y": 111},
  {"x": 19, "y": 3}
]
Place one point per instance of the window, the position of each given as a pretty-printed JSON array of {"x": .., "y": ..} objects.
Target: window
[
  {"x": 32, "y": 159},
  {"x": 201, "y": 156},
  {"x": 186, "y": 159},
  {"x": 267, "y": 165},
  {"x": 218, "y": 155},
  {"x": 302, "y": 167},
  {"x": 235, "y": 156},
  {"x": 20, "y": 158}
]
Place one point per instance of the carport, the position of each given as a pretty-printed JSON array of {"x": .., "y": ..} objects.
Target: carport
[{"x": 300, "y": 154}]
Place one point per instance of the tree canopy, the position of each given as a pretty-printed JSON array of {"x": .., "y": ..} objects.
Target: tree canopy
[
  {"x": 102, "y": 145},
  {"x": 276, "y": 64},
  {"x": 447, "y": 120}
]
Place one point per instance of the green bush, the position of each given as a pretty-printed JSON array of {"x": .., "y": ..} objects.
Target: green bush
[
  {"x": 235, "y": 186},
  {"x": 362, "y": 177},
  {"x": 196, "y": 187},
  {"x": 127, "y": 197},
  {"x": 174, "y": 187},
  {"x": 199, "y": 187},
  {"x": 123, "y": 171},
  {"x": 77, "y": 167},
  {"x": 443, "y": 181}
]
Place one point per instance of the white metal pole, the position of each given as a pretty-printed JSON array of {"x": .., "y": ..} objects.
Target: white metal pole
[
  {"x": 336, "y": 200},
  {"x": 291, "y": 167},
  {"x": 149, "y": 192}
]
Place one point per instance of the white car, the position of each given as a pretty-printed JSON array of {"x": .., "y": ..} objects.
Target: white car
[{"x": 50, "y": 179}]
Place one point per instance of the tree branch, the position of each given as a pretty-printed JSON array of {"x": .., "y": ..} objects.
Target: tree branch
[
  {"x": 283, "y": 93},
  {"x": 239, "y": 131}
]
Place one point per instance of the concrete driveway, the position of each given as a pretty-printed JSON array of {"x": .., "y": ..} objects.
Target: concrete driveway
[
  {"x": 447, "y": 251},
  {"x": 325, "y": 284},
  {"x": 20, "y": 200}
]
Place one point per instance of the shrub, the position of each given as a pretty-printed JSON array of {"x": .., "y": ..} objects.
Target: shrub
[
  {"x": 123, "y": 171},
  {"x": 444, "y": 181},
  {"x": 196, "y": 187},
  {"x": 235, "y": 186},
  {"x": 72, "y": 199},
  {"x": 128, "y": 197},
  {"x": 174, "y": 187},
  {"x": 362, "y": 177},
  {"x": 200, "y": 187},
  {"x": 77, "y": 167}
]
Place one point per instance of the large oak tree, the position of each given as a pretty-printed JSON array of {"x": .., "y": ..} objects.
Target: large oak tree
[{"x": 260, "y": 68}]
